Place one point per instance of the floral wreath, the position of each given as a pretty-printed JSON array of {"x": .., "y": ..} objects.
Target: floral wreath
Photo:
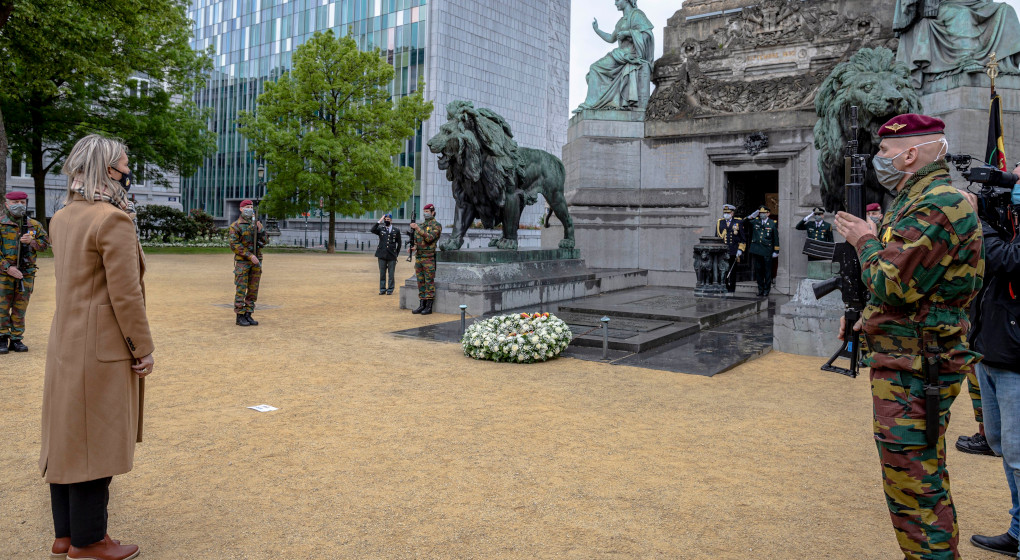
[{"x": 521, "y": 338}]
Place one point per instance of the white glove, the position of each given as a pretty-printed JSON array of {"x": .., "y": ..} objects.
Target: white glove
[
  {"x": 754, "y": 214},
  {"x": 775, "y": 255},
  {"x": 739, "y": 252},
  {"x": 809, "y": 216}
]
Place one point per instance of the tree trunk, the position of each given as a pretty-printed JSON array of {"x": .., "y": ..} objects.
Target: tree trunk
[
  {"x": 331, "y": 244},
  {"x": 6, "y": 9},
  {"x": 3, "y": 156},
  {"x": 39, "y": 178}
]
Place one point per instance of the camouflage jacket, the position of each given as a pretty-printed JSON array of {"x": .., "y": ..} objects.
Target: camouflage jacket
[
  {"x": 240, "y": 238},
  {"x": 922, "y": 273},
  {"x": 10, "y": 235},
  {"x": 426, "y": 239}
]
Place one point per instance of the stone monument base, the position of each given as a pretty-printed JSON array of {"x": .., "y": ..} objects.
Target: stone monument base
[
  {"x": 807, "y": 326},
  {"x": 491, "y": 281}
]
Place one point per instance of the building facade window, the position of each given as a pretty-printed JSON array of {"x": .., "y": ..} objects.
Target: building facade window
[
  {"x": 254, "y": 41},
  {"x": 20, "y": 165}
]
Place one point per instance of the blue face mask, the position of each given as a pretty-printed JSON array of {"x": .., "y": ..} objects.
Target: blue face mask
[
  {"x": 886, "y": 172},
  {"x": 1016, "y": 194}
]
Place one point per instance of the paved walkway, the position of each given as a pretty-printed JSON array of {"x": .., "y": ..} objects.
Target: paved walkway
[{"x": 386, "y": 447}]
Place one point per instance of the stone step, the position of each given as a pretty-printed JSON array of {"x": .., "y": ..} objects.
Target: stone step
[
  {"x": 627, "y": 334},
  {"x": 704, "y": 312}
]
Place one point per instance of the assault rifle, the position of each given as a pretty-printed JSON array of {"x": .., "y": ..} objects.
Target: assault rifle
[
  {"x": 410, "y": 243},
  {"x": 23, "y": 259},
  {"x": 848, "y": 281}
]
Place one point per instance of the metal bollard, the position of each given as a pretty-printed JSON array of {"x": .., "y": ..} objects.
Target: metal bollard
[
  {"x": 605, "y": 337},
  {"x": 463, "y": 319}
]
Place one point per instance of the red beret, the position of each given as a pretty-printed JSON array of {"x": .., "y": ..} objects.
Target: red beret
[
  {"x": 429, "y": 207},
  {"x": 911, "y": 124},
  {"x": 874, "y": 207},
  {"x": 244, "y": 203},
  {"x": 17, "y": 195}
]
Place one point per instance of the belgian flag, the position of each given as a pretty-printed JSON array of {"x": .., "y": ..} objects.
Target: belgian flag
[{"x": 995, "y": 151}]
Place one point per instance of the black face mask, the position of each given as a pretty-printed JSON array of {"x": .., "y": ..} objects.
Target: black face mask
[
  {"x": 125, "y": 181},
  {"x": 387, "y": 222}
]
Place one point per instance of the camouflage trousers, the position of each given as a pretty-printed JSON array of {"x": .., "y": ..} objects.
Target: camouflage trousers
[
  {"x": 975, "y": 396},
  {"x": 425, "y": 273},
  {"x": 915, "y": 478},
  {"x": 13, "y": 305},
  {"x": 246, "y": 286}
]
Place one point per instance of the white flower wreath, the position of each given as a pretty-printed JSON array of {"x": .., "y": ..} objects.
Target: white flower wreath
[{"x": 521, "y": 338}]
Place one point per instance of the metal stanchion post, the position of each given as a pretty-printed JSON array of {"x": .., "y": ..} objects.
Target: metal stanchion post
[
  {"x": 463, "y": 319},
  {"x": 605, "y": 337}
]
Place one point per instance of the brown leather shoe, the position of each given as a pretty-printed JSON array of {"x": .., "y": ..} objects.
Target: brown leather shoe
[
  {"x": 60, "y": 547},
  {"x": 63, "y": 544},
  {"x": 106, "y": 549}
]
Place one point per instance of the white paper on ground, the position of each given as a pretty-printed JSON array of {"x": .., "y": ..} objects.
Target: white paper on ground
[{"x": 263, "y": 408}]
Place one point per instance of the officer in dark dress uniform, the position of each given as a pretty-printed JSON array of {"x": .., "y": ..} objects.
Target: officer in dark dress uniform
[
  {"x": 387, "y": 252},
  {"x": 728, "y": 228},
  {"x": 762, "y": 236},
  {"x": 817, "y": 228}
]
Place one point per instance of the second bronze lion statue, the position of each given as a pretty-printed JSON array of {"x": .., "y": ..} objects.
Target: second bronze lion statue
[{"x": 493, "y": 179}]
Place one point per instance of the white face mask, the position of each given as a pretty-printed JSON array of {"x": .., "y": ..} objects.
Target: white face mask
[
  {"x": 727, "y": 216},
  {"x": 247, "y": 211}
]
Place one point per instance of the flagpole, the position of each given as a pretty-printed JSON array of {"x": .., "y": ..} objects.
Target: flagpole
[{"x": 992, "y": 69}]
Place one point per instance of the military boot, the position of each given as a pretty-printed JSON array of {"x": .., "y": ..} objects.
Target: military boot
[
  {"x": 17, "y": 346},
  {"x": 1003, "y": 544},
  {"x": 251, "y": 321},
  {"x": 428, "y": 307},
  {"x": 3, "y": 344},
  {"x": 421, "y": 307},
  {"x": 242, "y": 320},
  {"x": 976, "y": 445}
]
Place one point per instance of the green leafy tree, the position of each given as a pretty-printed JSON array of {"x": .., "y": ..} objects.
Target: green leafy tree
[
  {"x": 67, "y": 69},
  {"x": 329, "y": 130},
  {"x": 206, "y": 223}
]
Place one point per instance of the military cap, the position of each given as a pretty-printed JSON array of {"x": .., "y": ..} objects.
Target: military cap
[
  {"x": 245, "y": 202},
  {"x": 729, "y": 207},
  {"x": 819, "y": 210},
  {"x": 874, "y": 207},
  {"x": 388, "y": 215},
  {"x": 911, "y": 124},
  {"x": 429, "y": 207},
  {"x": 17, "y": 195},
  {"x": 764, "y": 209}
]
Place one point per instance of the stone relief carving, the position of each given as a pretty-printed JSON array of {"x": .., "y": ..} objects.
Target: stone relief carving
[{"x": 685, "y": 90}]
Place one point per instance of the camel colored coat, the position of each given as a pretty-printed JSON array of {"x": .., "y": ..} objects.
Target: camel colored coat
[{"x": 91, "y": 408}]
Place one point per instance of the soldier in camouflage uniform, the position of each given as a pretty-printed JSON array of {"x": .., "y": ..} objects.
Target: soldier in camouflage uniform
[
  {"x": 17, "y": 279},
  {"x": 247, "y": 262},
  {"x": 425, "y": 237},
  {"x": 922, "y": 265}
]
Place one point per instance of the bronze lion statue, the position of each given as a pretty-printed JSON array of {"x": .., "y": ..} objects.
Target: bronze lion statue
[
  {"x": 880, "y": 87},
  {"x": 494, "y": 179}
]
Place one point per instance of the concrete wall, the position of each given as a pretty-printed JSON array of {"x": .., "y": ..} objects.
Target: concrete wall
[{"x": 642, "y": 194}]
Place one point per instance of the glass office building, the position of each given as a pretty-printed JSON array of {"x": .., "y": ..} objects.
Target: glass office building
[{"x": 508, "y": 56}]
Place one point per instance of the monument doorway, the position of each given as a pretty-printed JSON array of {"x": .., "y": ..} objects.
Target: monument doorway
[{"x": 748, "y": 190}]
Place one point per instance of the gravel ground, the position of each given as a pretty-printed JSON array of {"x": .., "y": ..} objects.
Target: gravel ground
[{"x": 387, "y": 447}]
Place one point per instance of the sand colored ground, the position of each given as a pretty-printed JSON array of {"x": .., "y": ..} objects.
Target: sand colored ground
[{"x": 388, "y": 447}]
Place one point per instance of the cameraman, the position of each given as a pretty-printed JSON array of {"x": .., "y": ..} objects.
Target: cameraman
[{"x": 997, "y": 336}]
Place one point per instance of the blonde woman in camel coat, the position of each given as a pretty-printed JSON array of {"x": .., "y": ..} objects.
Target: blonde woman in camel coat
[{"x": 99, "y": 349}]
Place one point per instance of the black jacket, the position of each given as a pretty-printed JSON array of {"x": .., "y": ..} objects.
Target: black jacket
[
  {"x": 389, "y": 242},
  {"x": 996, "y": 330}
]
